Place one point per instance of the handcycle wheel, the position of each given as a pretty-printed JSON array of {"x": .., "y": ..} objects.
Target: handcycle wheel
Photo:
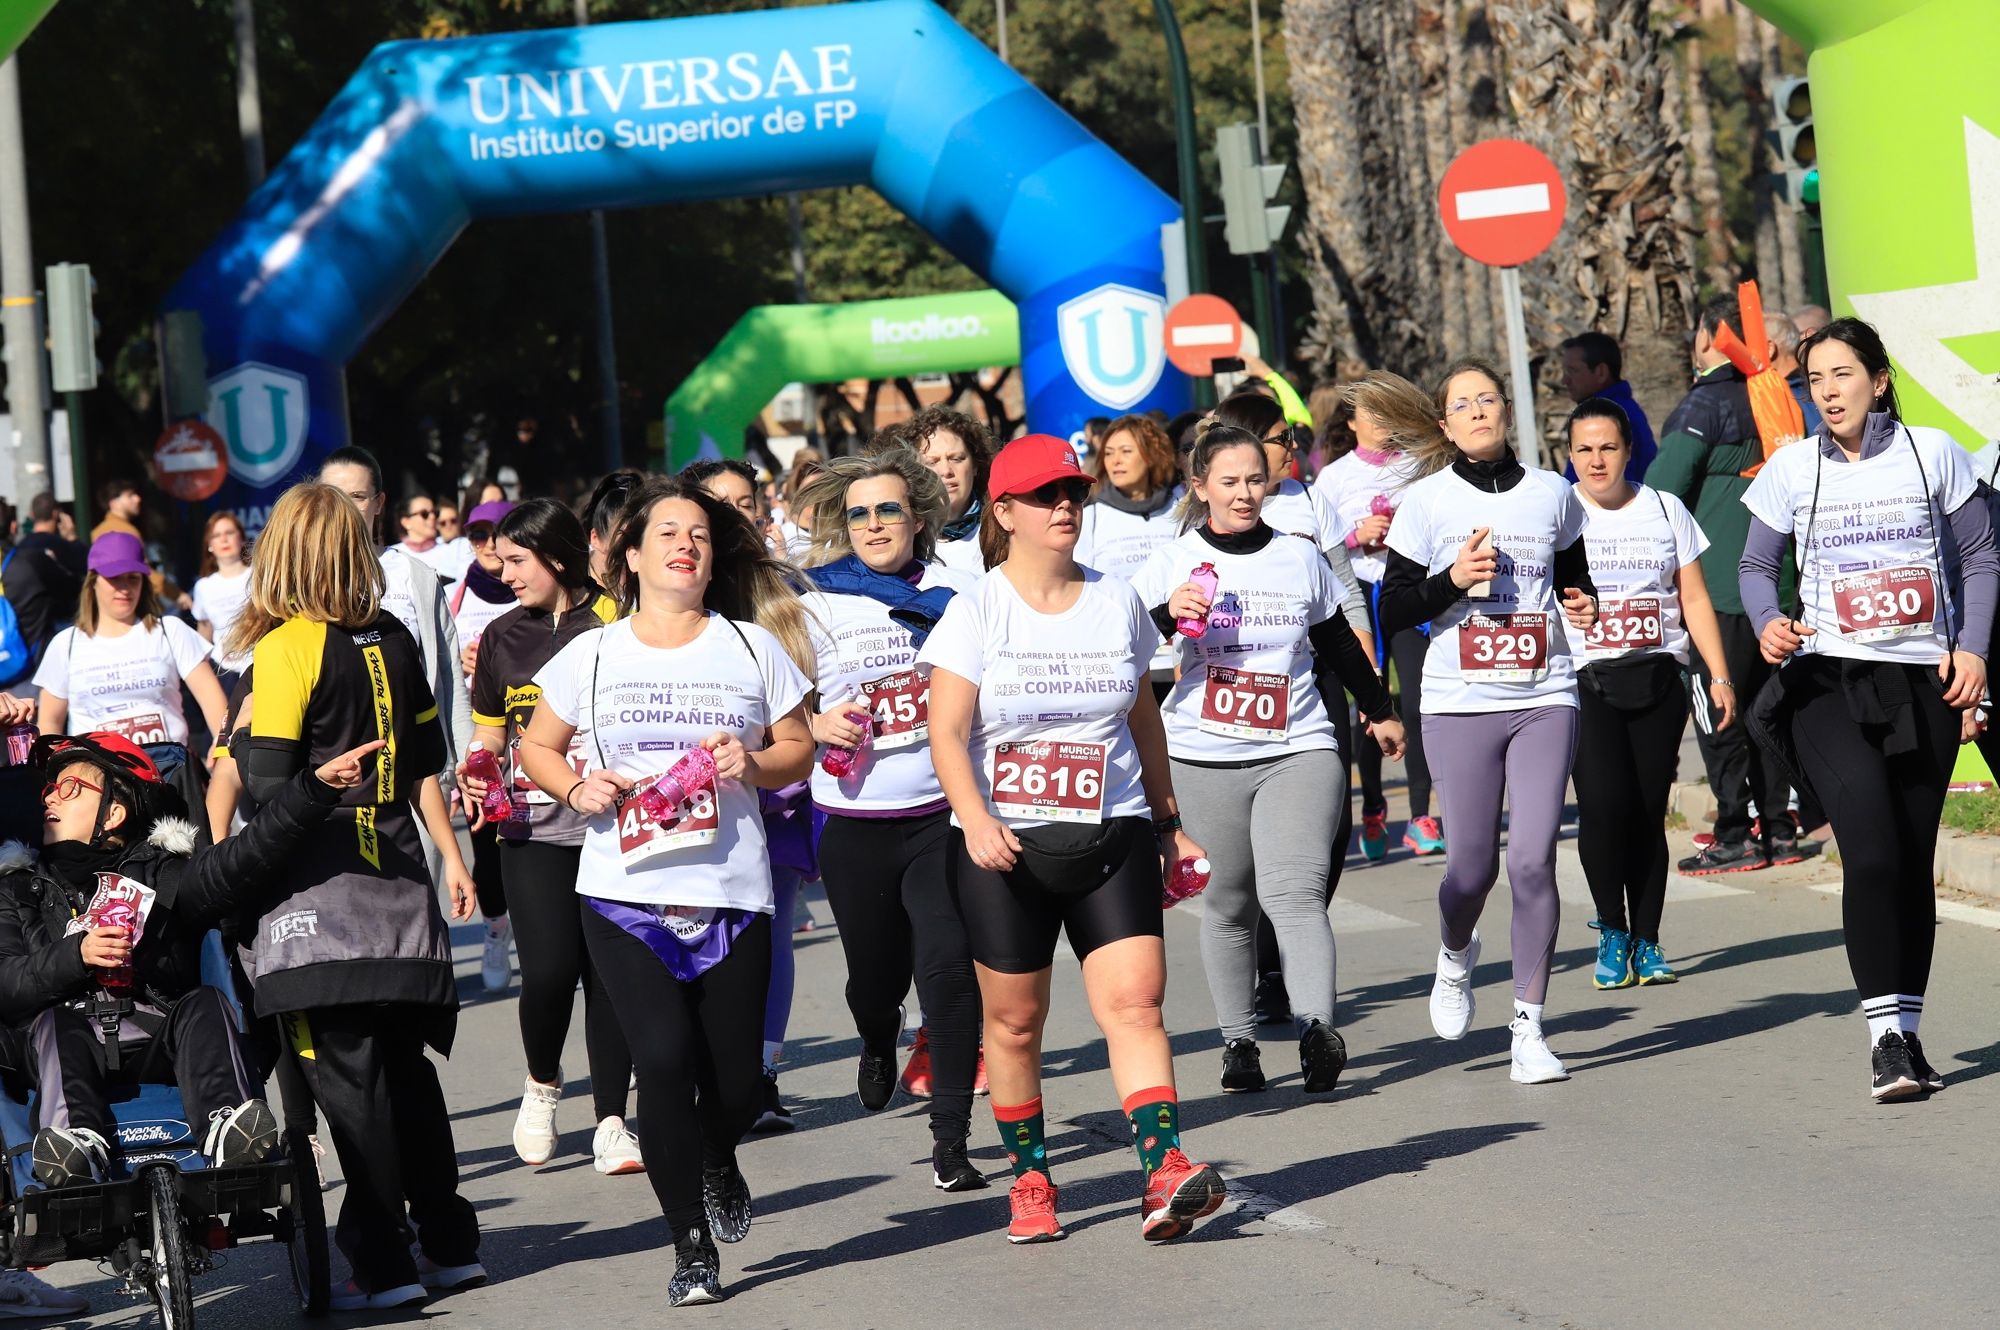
[
  {"x": 311, "y": 1263},
  {"x": 168, "y": 1281}
]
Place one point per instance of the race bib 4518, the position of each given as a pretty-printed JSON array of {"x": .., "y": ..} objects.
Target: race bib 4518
[{"x": 641, "y": 839}]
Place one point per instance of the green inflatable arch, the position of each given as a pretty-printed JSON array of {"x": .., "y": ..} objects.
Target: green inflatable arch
[
  {"x": 1906, "y": 112},
  {"x": 774, "y": 345}
]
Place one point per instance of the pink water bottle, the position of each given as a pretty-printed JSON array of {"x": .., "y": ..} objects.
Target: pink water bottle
[
  {"x": 21, "y": 744},
  {"x": 483, "y": 765},
  {"x": 839, "y": 761},
  {"x": 687, "y": 778},
  {"x": 1382, "y": 506},
  {"x": 1205, "y": 579},
  {"x": 1189, "y": 878}
]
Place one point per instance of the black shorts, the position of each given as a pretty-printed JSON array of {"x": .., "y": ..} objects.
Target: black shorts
[{"x": 1012, "y": 921}]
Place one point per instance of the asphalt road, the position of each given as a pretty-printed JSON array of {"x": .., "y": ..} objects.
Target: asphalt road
[{"x": 1715, "y": 1160}]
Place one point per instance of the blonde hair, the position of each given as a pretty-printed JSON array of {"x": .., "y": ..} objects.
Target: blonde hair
[
  {"x": 1399, "y": 407},
  {"x": 1437, "y": 451},
  {"x": 314, "y": 562},
  {"x": 148, "y": 609},
  {"x": 928, "y": 503}
]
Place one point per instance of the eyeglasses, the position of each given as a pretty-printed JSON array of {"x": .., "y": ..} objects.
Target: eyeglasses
[
  {"x": 1045, "y": 496},
  {"x": 1488, "y": 402},
  {"x": 421, "y": 512},
  {"x": 65, "y": 788},
  {"x": 481, "y": 534},
  {"x": 887, "y": 514}
]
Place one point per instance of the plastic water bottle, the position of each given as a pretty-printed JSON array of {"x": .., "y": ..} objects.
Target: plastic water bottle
[
  {"x": 481, "y": 764},
  {"x": 685, "y": 779},
  {"x": 1189, "y": 878},
  {"x": 21, "y": 744},
  {"x": 1382, "y": 506},
  {"x": 839, "y": 761},
  {"x": 1205, "y": 579}
]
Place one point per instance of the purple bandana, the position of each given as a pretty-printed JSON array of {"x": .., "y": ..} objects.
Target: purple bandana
[{"x": 689, "y": 939}]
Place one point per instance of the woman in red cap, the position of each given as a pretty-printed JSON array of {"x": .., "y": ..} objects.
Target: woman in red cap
[
  {"x": 1048, "y": 745},
  {"x": 119, "y": 670}
]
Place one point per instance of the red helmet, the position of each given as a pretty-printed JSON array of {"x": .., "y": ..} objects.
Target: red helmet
[{"x": 113, "y": 751}]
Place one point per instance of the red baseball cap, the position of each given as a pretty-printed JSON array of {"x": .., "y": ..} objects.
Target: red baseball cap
[{"x": 1031, "y": 461}]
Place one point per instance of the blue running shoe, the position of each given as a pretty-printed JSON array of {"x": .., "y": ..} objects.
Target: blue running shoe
[
  {"x": 1423, "y": 836},
  {"x": 1650, "y": 964},
  {"x": 1614, "y": 958}
]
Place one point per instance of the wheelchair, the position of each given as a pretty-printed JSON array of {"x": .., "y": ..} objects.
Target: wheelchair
[{"x": 160, "y": 1223}]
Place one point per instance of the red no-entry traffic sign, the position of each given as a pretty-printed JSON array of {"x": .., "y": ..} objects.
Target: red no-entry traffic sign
[
  {"x": 1502, "y": 202},
  {"x": 1201, "y": 330},
  {"x": 191, "y": 460}
]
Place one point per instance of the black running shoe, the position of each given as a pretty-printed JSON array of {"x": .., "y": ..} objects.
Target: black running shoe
[
  {"x": 1792, "y": 850},
  {"x": 1927, "y": 1076},
  {"x": 1242, "y": 1066},
  {"x": 773, "y": 1116},
  {"x": 726, "y": 1197},
  {"x": 1742, "y": 857},
  {"x": 1895, "y": 1078},
  {"x": 1322, "y": 1057},
  {"x": 952, "y": 1171},
  {"x": 64, "y": 1155},
  {"x": 1273, "y": 1004},
  {"x": 697, "y": 1270},
  {"x": 875, "y": 1080}
]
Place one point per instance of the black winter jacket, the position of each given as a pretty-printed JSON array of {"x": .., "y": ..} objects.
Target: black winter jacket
[{"x": 41, "y": 968}]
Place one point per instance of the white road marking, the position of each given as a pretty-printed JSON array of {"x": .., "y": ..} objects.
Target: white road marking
[
  {"x": 1347, "y": 916},
  {"x": 1507, "y": 201},
  {"x": 1957, "y": 912},
  {"x": 1574, "y": 888}
]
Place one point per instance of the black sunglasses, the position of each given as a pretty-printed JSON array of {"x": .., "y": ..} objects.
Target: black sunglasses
[{"x": 1045, "y": 496}]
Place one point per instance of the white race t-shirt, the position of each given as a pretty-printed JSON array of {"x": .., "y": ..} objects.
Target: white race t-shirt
[
  {"x": 129, "y": 685},
  {"x": 1349, "y": 488},
  {"x": 218, "y": 600},
  {"x": 447, "y": 558},
  {"x": 860, "y": 646},
  {"x": 1635, "y": 552},
  {"x": 1986, "y": 464},
  {"x": 962, "y": 556},
  {"x": 1246, "y": 692},
  {"x": 1510, "y": 650},
  {"x": 1049, "y": 729},
  {"x": 397, "y": 596},
  {"x": 1869, "y": 548},
  {"x": 1303, "y": 514},
  {"x": 648, "y": 705},
  {"x": 473, "y": 614},
  {"x": 1122, "y": 544}
]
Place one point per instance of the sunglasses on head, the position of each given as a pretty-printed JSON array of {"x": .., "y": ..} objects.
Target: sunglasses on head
[
  {"x": 1046, "y": 496},
  {"x": 888, "y": 514}
]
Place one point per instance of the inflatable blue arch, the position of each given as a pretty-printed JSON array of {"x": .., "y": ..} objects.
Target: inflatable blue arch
[{"x": 430, "y": 135}]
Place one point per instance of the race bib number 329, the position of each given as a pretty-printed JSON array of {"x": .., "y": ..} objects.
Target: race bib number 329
[
  {"x": 1504, "y": 648},
  {"x": 1050, "y": 781}
]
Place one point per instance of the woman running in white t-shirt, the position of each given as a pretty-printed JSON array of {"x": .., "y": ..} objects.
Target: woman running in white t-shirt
[
  {"x": 1135, "y": 514},
  {"x": 1491, "y": 553},
  {"x": 1047, "y": 742},
  {"x": 222, "y": 590}
]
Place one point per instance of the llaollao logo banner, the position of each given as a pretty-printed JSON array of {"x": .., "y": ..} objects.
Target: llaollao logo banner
[{"x": 1113, "y": 342}]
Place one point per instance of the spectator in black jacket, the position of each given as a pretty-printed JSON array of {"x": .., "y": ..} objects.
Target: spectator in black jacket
[{"x": 43, "y": 578}]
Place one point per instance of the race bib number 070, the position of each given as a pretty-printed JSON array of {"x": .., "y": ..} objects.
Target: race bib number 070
[
  {"x": 1504, "y": 648},
  {"x": 1050, "y": 781},
  {"x": 1240, "y": 704}
]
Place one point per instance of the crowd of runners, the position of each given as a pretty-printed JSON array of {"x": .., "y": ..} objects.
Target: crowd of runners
[{"x": 990, "y": 697}]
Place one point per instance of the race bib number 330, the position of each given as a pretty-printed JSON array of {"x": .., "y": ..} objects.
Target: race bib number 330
[
  {"x": 1050, "y": 781},
  {"x": 1885, "y": 603},
  {"x": 1504, "y": 648}
]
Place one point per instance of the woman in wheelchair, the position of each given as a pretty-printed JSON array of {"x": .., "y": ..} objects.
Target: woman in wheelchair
[{"x": 100, "y": 949}]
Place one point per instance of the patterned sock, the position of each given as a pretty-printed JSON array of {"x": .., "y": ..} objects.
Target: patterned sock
[
  {"x": 1884, "y": 1014},
  {"x": 1021, "y": 1129},
  {"x": 1156, "y": 1124},
  {"x": 1909, "y": 1011}
]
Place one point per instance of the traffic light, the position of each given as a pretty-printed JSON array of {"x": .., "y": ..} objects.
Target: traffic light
[
  {"x": 1798, "y": 153},
  {"x": 1251, "y": 223},
  {"x": 73, "y": 366}
]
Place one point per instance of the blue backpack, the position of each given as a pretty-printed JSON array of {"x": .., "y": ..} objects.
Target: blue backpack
[{"x": 16, "y": 659}]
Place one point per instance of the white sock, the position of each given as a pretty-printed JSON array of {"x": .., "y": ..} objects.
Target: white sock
[
  {"x": 1884, "y": 1014},
  {"x": 1909, "y": 1011},
  {"x": 1528, "y": 1011},
  {"x": 1452, "y": 963},
  {"x": 774, "y": 1052}
]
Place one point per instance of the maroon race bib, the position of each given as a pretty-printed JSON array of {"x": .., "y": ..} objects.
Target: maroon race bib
[
  {"x": 1504, "y": 648},
  {"x": 1050, "y": 781},
  {"x": 1240, "y": 704},
  {"x": 1633, "y": 624},
  {"x": 146, "y": 728},
  {"x": 901, "y": 705},
  {"x": 640, "y": 838},
  {"x": 1884, "y": 604}
]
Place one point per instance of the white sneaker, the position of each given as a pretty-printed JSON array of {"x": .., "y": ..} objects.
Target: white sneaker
[
  {"x": 1451, "y": 994},
  {"x": 616, "y": 1149},
  {"x": 22, "y": 1294},
  {"x": 1533, "y": 1063},
  {"x": 496, "y": 964},
  {"x": 535, "y": 1125},
  {"x": 351, "y": 1297}
]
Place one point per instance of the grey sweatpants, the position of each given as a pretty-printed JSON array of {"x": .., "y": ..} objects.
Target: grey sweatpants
[
  {"x": 1268, "y": 831},
  {"x": 1476, "y": 759}
]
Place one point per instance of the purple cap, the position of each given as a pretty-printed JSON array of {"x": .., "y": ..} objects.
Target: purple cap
[
  {"x": 116, "y": 553},
  {"x": 493, "y": 510}
]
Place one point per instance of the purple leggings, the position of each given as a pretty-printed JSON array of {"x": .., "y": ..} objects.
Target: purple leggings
[{"x": 1475, "y": 759}]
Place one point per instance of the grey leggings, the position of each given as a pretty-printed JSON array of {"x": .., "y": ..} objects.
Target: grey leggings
[
  {"x": 1268, "y": 830},
  {"x": 1475, "y": 759}
]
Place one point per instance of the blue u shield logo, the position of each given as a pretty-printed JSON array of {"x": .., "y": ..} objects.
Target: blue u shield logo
[
  {"x": 260, "y": 411},
  {"x": 1113, "y": 343}
]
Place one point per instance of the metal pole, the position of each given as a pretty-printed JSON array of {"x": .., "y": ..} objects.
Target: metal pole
[
  {"x": 1184, "y": 146},
  {"x": 611, "y": 448},
  {"x": 1000, "y": 26},
  {"x": 79, "y": 460},
  {"x": 249, "y": 109},
  {"x": 1260, "y": 309},
  {"x": 27, "y": 388},
  {"x": 798, "y": 219},
  {"x": 1257, "y": 65},
  {"x": 1526, "y": 429}
]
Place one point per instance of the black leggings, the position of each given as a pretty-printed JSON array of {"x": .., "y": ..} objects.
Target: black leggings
[
  {"x": 699, "y": 1052},
  {"x": 1013, "y": 921},
  {"x": 486, "y": 877},
  {"x": 1624, "y": 767},
  {"x": 548, "y": 938},
  {"x": 1885, "y": 813},
  {"x": 885, "y": 879},
  {"x": 1406, "y": 650}
]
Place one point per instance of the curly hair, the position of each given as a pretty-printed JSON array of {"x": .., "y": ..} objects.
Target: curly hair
[{"x": 1163, "y": 466}]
